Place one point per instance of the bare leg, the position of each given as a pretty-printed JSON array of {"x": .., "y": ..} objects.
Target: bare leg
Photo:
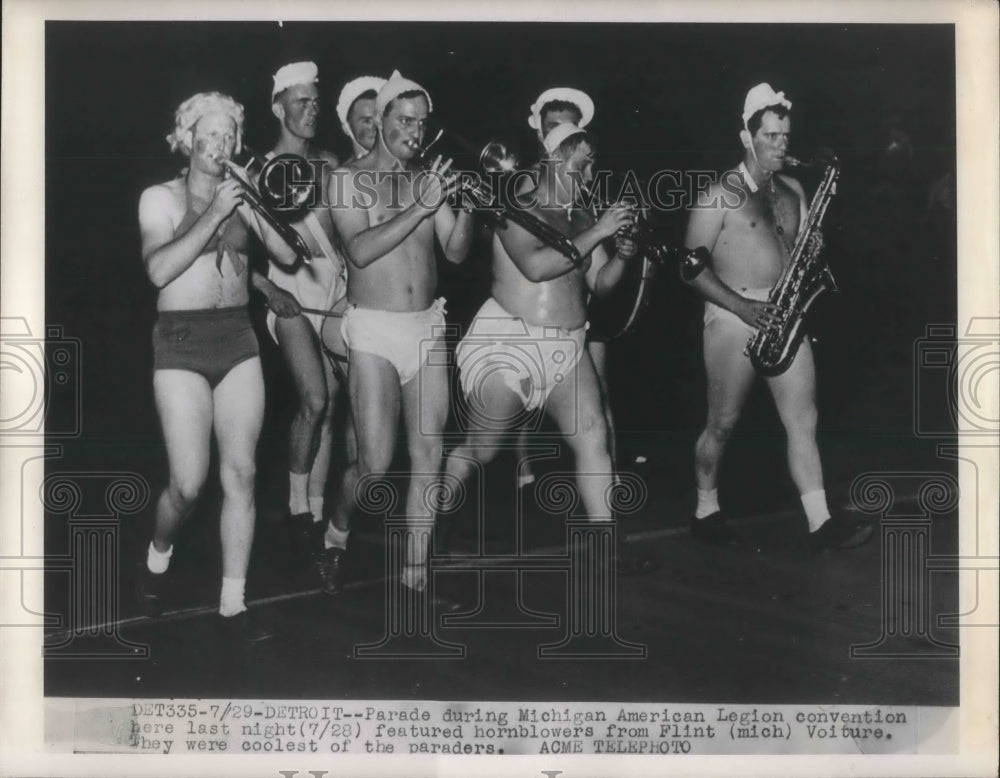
[
  {"x": 239, "y": 414},
  {"x": 184, "y": 403},
  {"x": 730, "y": 376},
  {"x": 425, "y": 412},
  {"x": 575, "y": 405},
  {"x": 300, "y": 347},
  {"x": 599, "y": 356},
  {"x": 794, "y": 394},
  {"x": 375, "y": 402},
  {"x": 321, "y": 463}
]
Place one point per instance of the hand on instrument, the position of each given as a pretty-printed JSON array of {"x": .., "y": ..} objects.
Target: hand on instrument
[
  {"x": 284, "y": 305},
  {"x": 626, "y": 246},
  {"x": 614, "y": 218},
  {"x": 758, "y": 314},
  {"x": 436, "y": 185},
  {"x": 815, "y": 243},
  {"x": 227, "y": 198}
]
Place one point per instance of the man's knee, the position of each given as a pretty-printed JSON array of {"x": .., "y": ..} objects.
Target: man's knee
[
  {"x": 720, "y": 426},
  {"x": 313, "y": 402},
  {"x": 184, "y": 489},
  {"x": 237, "y": 477},
  {"x": 802, "y": 421},
  {"x": 591, "y": 432},
  {"x": 425, "y": 454}
]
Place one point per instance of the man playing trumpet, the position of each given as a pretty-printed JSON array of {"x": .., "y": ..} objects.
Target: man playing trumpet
[
  {"x": 206, "y": 369},
  {"x": 749, "y": 242},
  {"x": 388, "y": 216}
]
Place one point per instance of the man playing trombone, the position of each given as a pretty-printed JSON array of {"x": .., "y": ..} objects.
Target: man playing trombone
[
  {"x": 319, "y": 285},
  {"x": 206, "y": 369},
  {"x": 526, "y": 347},
  {"x": 388, "y": 216}
]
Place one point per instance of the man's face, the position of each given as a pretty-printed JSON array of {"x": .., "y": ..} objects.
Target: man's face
[
  {"x": 299, "y": 112},
  {"x": 361, "y": 120},
  {"x": 213, "y": 136},
  {"x": 404, "y": 126},
  {"x": 552, "y": 119},
  {"x": 770, "y": 142},
  {"x": 578, "y": 169}
]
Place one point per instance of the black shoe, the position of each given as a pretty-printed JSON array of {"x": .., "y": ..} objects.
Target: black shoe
[
  {"x": 839, "y": 533},
  {"x": 713, "y": 530},
  {"x": 301, "y": 533},
  {"x": 149, "y": 591},
  {"x": 245, "y": 627},
  {"x": 330, "y": 564}
]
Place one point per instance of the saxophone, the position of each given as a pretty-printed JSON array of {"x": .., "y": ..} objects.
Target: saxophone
[{"x": 804, "y": 278}]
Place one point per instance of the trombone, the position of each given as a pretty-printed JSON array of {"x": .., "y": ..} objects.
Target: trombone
[
  {"x": 497, "y": 160},
  {"x": 253, "y": 197}
]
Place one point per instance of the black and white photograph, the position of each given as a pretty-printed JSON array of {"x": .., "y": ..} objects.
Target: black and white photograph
[{"x": 601, "y": 386}]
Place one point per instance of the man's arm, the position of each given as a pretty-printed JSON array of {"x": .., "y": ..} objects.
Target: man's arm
[
  {"x": 539, "y": 262},
  {"x": 362, "y": 243},
  {"x": 454, "y": 232},
  {"x": 604, "y": 274},
  {"x": 278, "y": 300},
  {"x": 167, "y": 256}
]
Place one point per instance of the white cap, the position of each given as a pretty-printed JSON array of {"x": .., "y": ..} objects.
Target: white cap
[
  {"x": 558, "y": 134},
  {"x": 394, "y": 87},
  {"x": 295, "y": 73},
  {"x": 566, "y": 94},
  {"x": 761, "y": 96},
  {"x": 352, "y": 91}
]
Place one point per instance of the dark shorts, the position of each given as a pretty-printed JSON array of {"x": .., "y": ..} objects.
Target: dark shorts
[{"x": 208, "y": 342}]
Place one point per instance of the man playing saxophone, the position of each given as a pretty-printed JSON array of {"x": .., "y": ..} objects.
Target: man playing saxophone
[{"x": 748, "y": 227}]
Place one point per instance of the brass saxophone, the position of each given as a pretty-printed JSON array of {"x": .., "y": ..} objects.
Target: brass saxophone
[{"x": 805, "y": 277}]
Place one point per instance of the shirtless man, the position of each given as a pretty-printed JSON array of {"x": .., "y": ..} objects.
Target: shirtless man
[
  {"x": 749, "y": 246},
  {"x": 356, "y": 111},
  {"x": 525, "y": 348},
  {"x": 319, "y": 285},
  {"x": 564, "y": 105},
  {"x": 207, "y": 375},
  {"x": 388, "y": 223}
]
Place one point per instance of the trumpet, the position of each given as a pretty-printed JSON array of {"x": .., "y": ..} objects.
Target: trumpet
[
  {"x": 252, "y": 195},
  {"x": 651, "y": 244}
]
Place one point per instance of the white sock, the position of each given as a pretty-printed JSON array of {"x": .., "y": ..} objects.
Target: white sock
[
  {"x": 316, "y": 508},
  {"x": 231, "y": 600},
  {"x": 413, "y": 577},
  {"x": 335, "y": 537},
  {"x": 158, "y": 561},
  {"x": 708, "y": 503},
  {"x": 298, "y": 500},
  {"x": 817, "y": 511},
  {"x": 524, "y": 479}
]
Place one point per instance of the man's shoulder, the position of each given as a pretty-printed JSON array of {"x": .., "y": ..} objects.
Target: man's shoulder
[
  {"x": 791, "y": 183},
  {"x": 166, "y": 191}
]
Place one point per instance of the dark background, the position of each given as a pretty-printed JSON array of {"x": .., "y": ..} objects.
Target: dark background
[{"x": 668, "y": 96}]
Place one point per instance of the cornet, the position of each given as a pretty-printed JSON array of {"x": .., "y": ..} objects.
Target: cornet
[{"x": 252, "y": 196}]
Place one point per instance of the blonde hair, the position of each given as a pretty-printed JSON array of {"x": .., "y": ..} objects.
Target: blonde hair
[{"x": 192, "y": 109}]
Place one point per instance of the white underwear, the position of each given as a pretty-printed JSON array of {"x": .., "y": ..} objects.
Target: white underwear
[
  {"x": 532, "y": 359},
  {"x": 401, "y": 338}
]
